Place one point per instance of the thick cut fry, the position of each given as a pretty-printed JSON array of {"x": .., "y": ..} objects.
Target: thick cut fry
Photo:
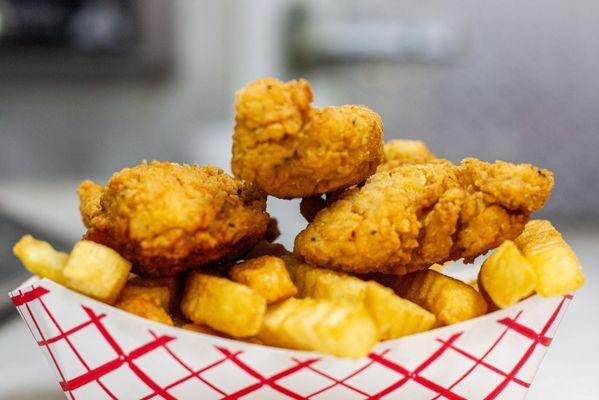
[
  {"x": 224, "y": 305},
  {"x": 145, "y": 306},
  {"x": 159, "y": 294},
  {"x": 506, "y": 276},
  {"x": 555, "y": 264},
  {"x": 321, "y": 283},
  {"x": 451, "y": 300},
  {"x": 267, "y": 276},
  {"x": 40, "y": 258},
  {"x": 172, "y": 284},
  {"x": 343, "y": 330},
  {"x": 393, "y": 316},
  {"x": 97, "y": 271}
]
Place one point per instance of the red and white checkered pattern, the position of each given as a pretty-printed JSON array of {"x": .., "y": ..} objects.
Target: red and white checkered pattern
[{"x": 99, "y": 352}]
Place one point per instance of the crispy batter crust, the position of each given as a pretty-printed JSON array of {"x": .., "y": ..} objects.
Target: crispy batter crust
[
  {"x": 166, "y": 218},
  {"x": 397, "y": 152},
  {"x": 413, "y": 216},
  {"x": 400, "y": 152},
  {"x": 290, "y": 149}
]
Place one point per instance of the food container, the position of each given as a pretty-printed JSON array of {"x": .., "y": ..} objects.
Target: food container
[{"x": 100, "y": 352}]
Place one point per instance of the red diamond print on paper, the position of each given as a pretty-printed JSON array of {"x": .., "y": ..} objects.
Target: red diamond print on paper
[{"x": 98, "y": 353}]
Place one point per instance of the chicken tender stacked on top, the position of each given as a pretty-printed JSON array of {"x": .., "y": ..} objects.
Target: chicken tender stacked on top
[
  {"x": 400, "y": 152},
  {"x": 413, "y": 216},
  {"x": 289, "y": 149},
  {"x": 166, "y": 218}
]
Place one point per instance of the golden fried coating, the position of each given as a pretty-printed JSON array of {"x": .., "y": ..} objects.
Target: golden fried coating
[
  {"x": 397, "y": 152},
  {"x": 402, "y": 152},
  {"x": 166, "y": 218},
  {"x": 413, "y": 216},
  {"x": 290, "y": 149}
]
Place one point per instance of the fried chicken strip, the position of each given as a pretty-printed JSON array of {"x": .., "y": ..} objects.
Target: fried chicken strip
[
  {"x": 166, "y": 218},
  {"x": 413, "y": 216},
  {"x": 400, "y": 152},
  {"x": 397, "y": 152},
  {"x": 289, "y": 149}
]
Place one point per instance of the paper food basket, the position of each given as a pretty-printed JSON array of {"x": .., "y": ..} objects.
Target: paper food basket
[{"x": 100, "y": 352}]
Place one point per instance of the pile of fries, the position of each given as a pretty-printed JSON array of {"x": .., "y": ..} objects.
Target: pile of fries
[{"x": 271, "y": 298}]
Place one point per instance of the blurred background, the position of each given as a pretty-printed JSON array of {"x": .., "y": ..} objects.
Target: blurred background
[{"x": 88, "y": 87}]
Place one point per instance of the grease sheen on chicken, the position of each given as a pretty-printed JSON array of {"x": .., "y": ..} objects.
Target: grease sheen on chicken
[
  {"x": 166, "y": 217},
  {"x": 290, "y": 149},
  {"x": 413, "y": 216}
]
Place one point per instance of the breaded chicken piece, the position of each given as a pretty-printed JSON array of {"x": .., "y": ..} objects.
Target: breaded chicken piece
[
  {"x": 265, "y": 248},
  {"x": 397, "y": 152},
  {"x": 289, "y": 149},
  {"x": 310, "y": 206},
  {"x": 413, "y": 216},
  {"x": 402, "y": 152},
  {"x": 166, "y": 217},
  {"x": 272, "y": 230}
]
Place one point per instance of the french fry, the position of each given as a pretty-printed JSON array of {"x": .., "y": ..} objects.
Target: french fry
[
  {"x": 556, "y": 266},
  {"x": 40, "y": 258},
  {"x": 223, "y": 305},
  {"x": 396, "y": 317},
  {"x": 145, "y": 306},
  {"x": 172, "y": 284},
  {"x": 506, "y": 276},
  {"x": 267, "y": 276},
  {"x": 343, "y": 330},
  {"x": 393, "y": 316},
  {"x": 322, "y": 283},
  {"x": 96, "y": 271},
  {"x": 451, "y": 300},
  {"x": 160, "y": 295}
]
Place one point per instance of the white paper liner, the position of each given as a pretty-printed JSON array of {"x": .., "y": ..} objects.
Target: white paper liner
[{"x": 100, "y": 352}]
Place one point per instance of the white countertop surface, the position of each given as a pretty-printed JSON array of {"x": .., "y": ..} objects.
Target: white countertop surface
[{"x": 570, "y": 369}]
